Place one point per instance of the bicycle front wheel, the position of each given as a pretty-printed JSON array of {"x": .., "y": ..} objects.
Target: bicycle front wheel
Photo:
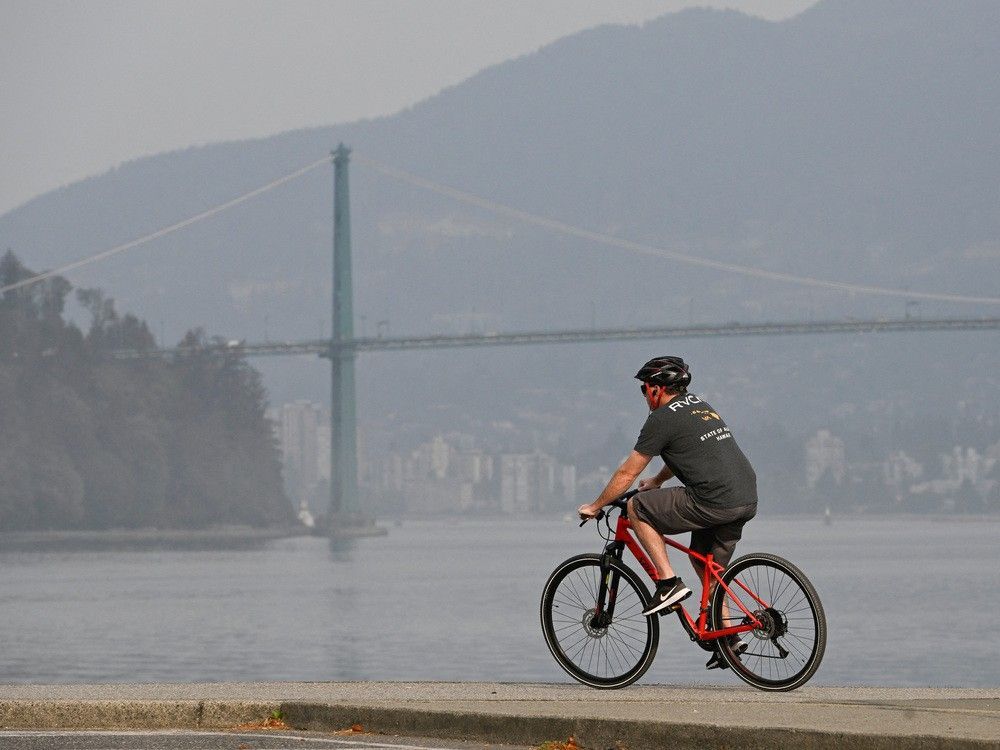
[
  {"x": 597, "y": 648},
  {"x": 786, "y": 650}
]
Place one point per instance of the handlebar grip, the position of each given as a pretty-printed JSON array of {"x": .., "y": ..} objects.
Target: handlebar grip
[
  {"x": 598, "y": 517},
  {"x": 622, "y": 500}
]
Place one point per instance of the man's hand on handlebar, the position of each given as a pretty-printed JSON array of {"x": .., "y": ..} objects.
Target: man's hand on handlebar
[
  {"x": 593, "y": 510},
  {"x": 649, "y": 483}
]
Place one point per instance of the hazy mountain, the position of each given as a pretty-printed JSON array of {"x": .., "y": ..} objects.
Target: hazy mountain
[{"x": 858, "y": 141}]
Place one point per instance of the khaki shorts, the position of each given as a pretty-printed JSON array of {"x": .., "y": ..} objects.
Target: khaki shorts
[{"x": 714, "y": 528}]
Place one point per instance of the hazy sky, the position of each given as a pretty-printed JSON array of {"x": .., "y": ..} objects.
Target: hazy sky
[{"x": 87, "y": 85}]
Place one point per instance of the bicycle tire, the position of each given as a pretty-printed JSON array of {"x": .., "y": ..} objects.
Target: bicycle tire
[
  {"x": 794, "y": 623},
  {"x": 610, "y": 657}
]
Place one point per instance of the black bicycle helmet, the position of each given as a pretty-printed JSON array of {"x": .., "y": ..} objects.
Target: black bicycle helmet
[{"x": 670, "y": 372}]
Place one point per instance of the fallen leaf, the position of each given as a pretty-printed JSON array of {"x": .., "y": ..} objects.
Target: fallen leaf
[
  {"x": 569, "y": 744},
  {"x": 268, "y": 723},
  {"x": 353, "y": 729}
]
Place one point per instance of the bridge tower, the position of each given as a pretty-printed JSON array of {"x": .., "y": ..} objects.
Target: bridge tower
[{"x": 344, "y": 501}]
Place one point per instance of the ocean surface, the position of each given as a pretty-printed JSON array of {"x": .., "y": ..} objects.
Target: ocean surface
[{"x": 909, "y": 601}]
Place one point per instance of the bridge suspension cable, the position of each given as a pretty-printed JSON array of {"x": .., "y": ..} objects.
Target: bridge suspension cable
[
  {"x": 167, "y": 230},
  {"x": 519, "y": 215},
  {"x": 645, "y": 249}
]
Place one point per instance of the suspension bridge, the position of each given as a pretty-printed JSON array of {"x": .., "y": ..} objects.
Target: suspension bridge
[{"x": 343, "y": 347}]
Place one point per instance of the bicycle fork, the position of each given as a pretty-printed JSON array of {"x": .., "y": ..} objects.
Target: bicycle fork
[{"x": 607, "y": 588}]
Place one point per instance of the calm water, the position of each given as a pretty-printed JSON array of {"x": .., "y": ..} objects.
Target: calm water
[{"x": 908, "y": 601}]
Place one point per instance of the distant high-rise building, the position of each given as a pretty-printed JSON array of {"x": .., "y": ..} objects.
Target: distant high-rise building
[
  {"x": 567, "y": 483},
  {"x": 323, "y": 448},
  {"x": 471, "y": 466},
  {"x": 825, "y": 453},
  {"x": 962, "y": 464},
  {"x": 533, "y": 481},
  {"x": 900, "y": 470},
  {"x": 449, "y": 473},
  {"x": 515, "y": 482},
  {"x": 298, "y": 426},
  {"x": 440, "y": 453}
]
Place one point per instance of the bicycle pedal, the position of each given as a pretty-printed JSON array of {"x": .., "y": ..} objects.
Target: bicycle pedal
[{"x": 676, "y": 606}]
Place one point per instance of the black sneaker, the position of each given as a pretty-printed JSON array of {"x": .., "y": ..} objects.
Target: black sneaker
[
  {"x": 668, "y": 593},
  {"x": 717, "y": 662}
]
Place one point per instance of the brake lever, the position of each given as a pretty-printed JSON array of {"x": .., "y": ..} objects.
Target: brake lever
[{"x": 598, "y": 517}]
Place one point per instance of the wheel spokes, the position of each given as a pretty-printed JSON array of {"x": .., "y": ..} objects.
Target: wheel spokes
[
  {"x": 602, "y": 650},
  {"x": 782, "y": 648}
]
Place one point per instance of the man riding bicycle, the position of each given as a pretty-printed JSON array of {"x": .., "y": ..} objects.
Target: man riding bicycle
[{"x": 719, "y": 492}]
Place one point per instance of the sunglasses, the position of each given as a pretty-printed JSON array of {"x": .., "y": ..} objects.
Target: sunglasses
[{"x": 646, "y": 388}]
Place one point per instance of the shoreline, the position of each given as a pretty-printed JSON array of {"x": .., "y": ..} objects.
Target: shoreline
[
  {"x": 224, "y": 537},
  {"x": 248, "y": 537},
  {"x": 570, "y": 517}
]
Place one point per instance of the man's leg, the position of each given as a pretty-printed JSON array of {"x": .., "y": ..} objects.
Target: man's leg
[
  {"x": 699, "y": 567},
  {"x": 651, "y": 541},
  {"x": 669, "y": 588},
  {"x": 721, "y": 542},
  {"x": 702, "y": 542}
]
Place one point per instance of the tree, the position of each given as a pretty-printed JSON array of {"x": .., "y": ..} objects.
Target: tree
[{"x": 91, "y": 441}]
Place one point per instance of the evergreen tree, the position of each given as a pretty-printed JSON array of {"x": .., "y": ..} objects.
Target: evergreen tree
[{"x": 90, "y": 441}]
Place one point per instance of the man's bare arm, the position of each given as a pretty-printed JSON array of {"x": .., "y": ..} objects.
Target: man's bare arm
[
  {"x": 653, "y": 483},
  {"x": 620, "y": 481}
]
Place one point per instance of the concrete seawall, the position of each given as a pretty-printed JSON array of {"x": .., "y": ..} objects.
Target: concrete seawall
[{"x": 637, "y": 717}]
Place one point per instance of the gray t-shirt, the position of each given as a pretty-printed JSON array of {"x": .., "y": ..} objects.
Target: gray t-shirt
[{"x": 698, "y": 448}]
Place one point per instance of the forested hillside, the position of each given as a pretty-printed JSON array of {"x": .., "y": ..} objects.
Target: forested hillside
[{"x": 89, "y": 442}]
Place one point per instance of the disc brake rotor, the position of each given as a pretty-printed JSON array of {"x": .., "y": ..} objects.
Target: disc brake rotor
[{"x": 594, "y": 630}]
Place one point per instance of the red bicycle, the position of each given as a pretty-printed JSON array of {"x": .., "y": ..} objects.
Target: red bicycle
[{"x": 592, "y": 617}]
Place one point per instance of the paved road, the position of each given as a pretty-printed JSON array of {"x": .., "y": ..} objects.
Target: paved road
[
  {"x": 648, "y": 716},
  {"x": 187, "y": 740}
]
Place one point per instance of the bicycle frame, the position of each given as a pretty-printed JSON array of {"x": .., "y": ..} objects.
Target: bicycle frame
[{"x": 698, "y": 629}]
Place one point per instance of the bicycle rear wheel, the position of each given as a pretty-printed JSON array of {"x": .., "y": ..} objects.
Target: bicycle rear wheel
[
  {"x": 595, "y": 649},
  {"x": 787, "y": 649}
]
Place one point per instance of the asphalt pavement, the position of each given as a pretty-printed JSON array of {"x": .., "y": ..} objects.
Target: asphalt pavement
[{"x": 230, "y": 740}]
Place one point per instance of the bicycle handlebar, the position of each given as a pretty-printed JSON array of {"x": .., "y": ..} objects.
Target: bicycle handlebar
[{"x": 620, "y": 502}]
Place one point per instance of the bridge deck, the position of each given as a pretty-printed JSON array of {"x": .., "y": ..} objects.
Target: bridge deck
[{"x": 323, "y": 347}]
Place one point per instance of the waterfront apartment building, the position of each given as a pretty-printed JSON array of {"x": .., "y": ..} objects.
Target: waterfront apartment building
[
  {"x": 825, "y": 454},
  {"x": 535, "y": 481},
  {"x": 303, "y": 432}
]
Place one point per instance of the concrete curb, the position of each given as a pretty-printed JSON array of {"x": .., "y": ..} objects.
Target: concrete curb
[
  {"x": 599, "y": 733},
  {"x": 465, "y": 725},
  {"x": 181, "y": 714}
]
